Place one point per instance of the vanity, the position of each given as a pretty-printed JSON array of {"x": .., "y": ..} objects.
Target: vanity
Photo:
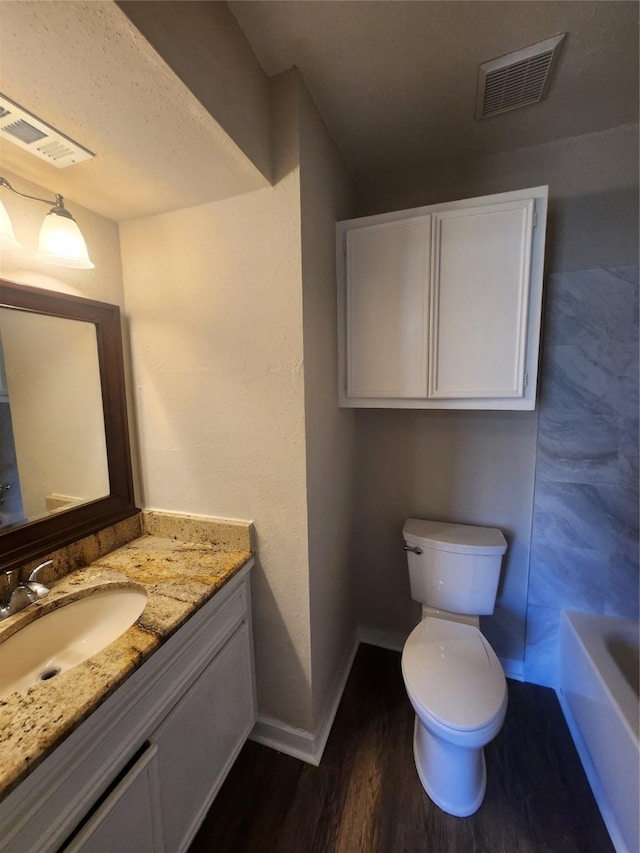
[
  {"x": 126, "y": 750},
  {"x": 117, "y": 726}
]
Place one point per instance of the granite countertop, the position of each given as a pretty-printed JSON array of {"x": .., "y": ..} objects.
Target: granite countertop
[{"x": 178, "y": 576}]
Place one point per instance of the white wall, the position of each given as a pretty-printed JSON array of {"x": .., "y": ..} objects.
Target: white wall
[
  {"x": 326, "y": 196},
  {"x": 214, "y": 298},
  {"x": 480, "y": 467},
  {"x": 232, "y": 309}
]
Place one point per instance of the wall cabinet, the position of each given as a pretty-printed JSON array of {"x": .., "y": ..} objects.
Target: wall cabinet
[
  {"x": 439, "y": 307},
  {"x": 141, "y": 772}
]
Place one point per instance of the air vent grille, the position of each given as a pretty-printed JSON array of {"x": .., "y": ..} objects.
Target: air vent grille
[
  {"x": 24, "y": 131},
  {"x": 29, "y": 132},
  {"x": 518, "y": 79}
]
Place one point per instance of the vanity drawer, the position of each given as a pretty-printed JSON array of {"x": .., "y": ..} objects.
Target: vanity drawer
[{"x": 129, "y": 816}]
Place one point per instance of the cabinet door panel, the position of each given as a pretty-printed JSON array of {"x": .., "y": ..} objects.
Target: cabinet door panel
[
  {"x": 387, "y": 287},
  {"x": 201, "y": 737},
  {"x": 129, "y": 817},
  {"x": 480, "y": 292}
]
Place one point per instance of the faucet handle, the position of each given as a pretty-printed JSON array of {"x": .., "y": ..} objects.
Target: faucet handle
[
  {"x": 8, "y": 582},
  {"x": 33, "y": 577}
]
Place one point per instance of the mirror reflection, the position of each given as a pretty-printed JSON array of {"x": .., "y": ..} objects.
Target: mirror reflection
[{"x": 52, "y": 440}]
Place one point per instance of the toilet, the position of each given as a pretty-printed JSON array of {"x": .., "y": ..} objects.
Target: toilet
[{"x": 452, "y": 676}]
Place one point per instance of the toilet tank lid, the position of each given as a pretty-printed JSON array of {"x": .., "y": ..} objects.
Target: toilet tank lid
[{"x": 459, "y": 538}]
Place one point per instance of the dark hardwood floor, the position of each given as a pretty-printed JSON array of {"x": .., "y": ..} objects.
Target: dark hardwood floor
[{"x": 366, "y": 797}]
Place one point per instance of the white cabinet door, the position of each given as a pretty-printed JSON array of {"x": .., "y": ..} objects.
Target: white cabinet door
[
  {"x": 479, "y": 301},
  {"x": 201, "y": 737},
  {"x": 388, "y": 275},
  {"x": 439, "y": 307},
  {"x": 129, "y": 817}
]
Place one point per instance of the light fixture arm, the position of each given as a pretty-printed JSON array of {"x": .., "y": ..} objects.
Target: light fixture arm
[
  {"x": 60, "y": 242},
  {"x": 58, "y": 202}
]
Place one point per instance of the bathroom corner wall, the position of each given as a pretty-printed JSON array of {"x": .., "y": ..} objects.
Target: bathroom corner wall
[
  {"x": 214, "y": 299},
  {"x": 232, "y": 313},
  {"x": 326, "y": 195},
  {"x": 584, "y": 547},
  {"x": 578, "y": 502}
]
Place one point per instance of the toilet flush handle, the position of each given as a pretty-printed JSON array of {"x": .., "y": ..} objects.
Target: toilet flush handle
[{"x": 414, "y": 548}]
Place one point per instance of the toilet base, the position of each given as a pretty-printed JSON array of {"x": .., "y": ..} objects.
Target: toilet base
[{"x": 454, "y": 777}]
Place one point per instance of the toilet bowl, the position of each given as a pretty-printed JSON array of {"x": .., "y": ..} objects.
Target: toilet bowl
[
  {"x": 458, "y": 691},
  {"x": 453, "y": 677}
]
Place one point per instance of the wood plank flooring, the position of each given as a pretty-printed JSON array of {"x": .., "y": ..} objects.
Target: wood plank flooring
[{"x": 366, "y": 797}]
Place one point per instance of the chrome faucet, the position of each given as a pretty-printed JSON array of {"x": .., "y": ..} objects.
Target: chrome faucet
[{"x": 15, "y": 596}]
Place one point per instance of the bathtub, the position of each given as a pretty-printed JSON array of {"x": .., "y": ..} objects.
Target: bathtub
[{"x": 598, "y": 692}]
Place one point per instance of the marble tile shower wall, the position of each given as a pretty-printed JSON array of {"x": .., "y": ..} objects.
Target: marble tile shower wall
[{"x": 584, "y": 548}]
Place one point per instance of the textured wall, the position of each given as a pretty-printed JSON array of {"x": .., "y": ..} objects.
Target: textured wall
[
  {"x": 584, "y": 548},
  {"x": 206, "y": 48},
  {"x": 464, "y": 467},
  {"x": 593, "y": 193},
  {"x": 215, "y": 304},
  {"x": 325, "y": 196}
]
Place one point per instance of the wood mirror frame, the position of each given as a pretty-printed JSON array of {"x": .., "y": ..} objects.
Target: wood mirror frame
[{"x": 33, "y": 539}]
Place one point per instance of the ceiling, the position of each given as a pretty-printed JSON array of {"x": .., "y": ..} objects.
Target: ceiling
[
  {"x": 83, "y": 68},
  {"x": 396, "y": 81}
]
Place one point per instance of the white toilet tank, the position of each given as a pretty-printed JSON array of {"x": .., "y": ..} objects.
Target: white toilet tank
[{"x": 459, "y": 567}]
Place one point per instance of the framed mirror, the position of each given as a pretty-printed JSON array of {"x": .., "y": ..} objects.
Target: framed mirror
[{"x": 65, "y": 462}]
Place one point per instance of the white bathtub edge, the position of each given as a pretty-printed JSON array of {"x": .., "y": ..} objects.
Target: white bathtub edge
[
  {"x": 592, "y": 777},
  {"x": 592, "y": 692}
]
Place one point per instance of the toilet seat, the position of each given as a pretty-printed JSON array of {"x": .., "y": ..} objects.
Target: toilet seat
[{"x": 453, "y": 676}]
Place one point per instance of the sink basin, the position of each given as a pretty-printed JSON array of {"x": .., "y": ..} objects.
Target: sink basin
[{"x": 67, "y": 636}]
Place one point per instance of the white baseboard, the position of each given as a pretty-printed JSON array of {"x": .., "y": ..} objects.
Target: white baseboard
[
  {"x": 301, "y": 743},
  {"x": 513, "y": 668},
  {"x": 309, "y": 747},
  {"x": 298, "y": 743},
  {"x": 393, "y": 640}
]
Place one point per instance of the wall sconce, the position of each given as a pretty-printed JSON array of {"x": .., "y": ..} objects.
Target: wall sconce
[{"x": 60, "y": 242}]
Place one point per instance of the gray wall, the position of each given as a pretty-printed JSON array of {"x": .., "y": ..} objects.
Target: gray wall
[
  {"x": 326, "y": 194},
  {"x": 593, "y": 203},
  {"x": 584, "y": 547},
  {"x": 481, "y": 467}
]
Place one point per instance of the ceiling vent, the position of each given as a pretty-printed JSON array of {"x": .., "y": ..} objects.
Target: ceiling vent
[
  {"x": 19, "y": 126},
  {"x": 517, "y": 79}
]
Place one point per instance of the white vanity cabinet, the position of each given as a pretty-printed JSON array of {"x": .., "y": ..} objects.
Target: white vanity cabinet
[
  {"x": 206, "y": 725},
  {"x": 129, "y": 817},
  {"x": 439, "y": 307},
  {"x": 141, "y": 772}
]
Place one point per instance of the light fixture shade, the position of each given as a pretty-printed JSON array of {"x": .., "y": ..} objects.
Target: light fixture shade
[
  {"x": 7, "y": 237},
  {"x": 62, "y": 243}
]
